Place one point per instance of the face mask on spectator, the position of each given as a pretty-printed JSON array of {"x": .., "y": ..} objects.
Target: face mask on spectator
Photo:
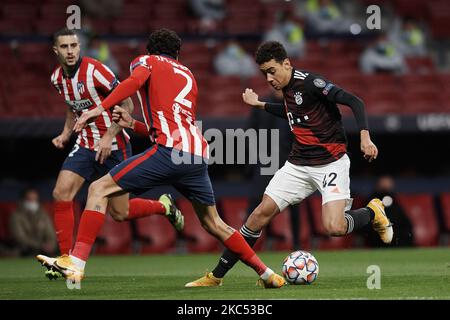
[{"x": 31, "y": 206}]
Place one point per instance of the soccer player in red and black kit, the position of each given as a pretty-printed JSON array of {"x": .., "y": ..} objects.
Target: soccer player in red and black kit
[
  {"x": 318, "y": 158},
  {"x": 84, "y": 83},
  {"x": 167, "y": 92}
]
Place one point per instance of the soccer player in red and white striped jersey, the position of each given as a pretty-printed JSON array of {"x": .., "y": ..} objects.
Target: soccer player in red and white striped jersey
[
  {"x": 167, "y": 91},
  {"x": 84, "y": 83}
]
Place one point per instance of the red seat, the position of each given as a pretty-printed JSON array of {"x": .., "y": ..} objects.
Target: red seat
[
  {"x": 325, "y": 242},
  {"x": 420, "y": 210},
  {"x": 178, "y": 25},
  {"x": 198, "y": 240},
  {"x": 240, "y": 26},
  {"x": 53, "y": 11},
  {"x": 130, "y": 27},
  {"x": 157, "y": 233},
  {"x": 20, "y": 10},
  {"x": 234, "y": 211},
  {"x": 114, "y": 237},
  {"x": 6, "y": 209},
  {"x": 15, "y": 27},
  {"x": 445, "y": 203},
  {"x": 50, "y": 25}
]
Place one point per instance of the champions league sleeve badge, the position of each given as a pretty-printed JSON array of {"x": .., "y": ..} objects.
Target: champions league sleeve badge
[{"x": 319, "y": 83}]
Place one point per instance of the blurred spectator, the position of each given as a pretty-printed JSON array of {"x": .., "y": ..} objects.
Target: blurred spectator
[
  {"x": 382, "y": 56},
  {"x": 31, "y": 227},
  {"x": 101, "y": 8},
  {"x": 85, "y": 34},
  {"x": 324, "y": 17},
  {"x": 289, "y": 33},
  {"x": 99, "y": 50},
  {"x": 260, "y": 119},
  {"x": 408, "y": 37},
  {"x": 403, "y": 234},
  {"x": 209, "y": 12},
  {"x": 234, "y": 61}
]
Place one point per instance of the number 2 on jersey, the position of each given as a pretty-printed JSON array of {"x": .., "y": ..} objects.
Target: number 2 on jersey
[{"x": 181, "y": 97}]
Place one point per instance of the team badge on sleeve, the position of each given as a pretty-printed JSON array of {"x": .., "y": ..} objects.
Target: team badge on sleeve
[
  {"x": 319, "y": 83},
  {"x": 327, "y": 89}
]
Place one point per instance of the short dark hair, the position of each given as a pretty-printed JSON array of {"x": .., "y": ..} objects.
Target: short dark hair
[
  {"x": 26, "y": 190},
  {"x": 63, "y": 32},
  {"x": 164, "y": 41},
  {"x": 270, "y": 50}
]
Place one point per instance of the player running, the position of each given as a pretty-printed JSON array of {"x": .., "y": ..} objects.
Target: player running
[
  {"x": 84, "y": 83},
  {"x": 167, "y": 92},
  {"x": 318, "y": 158}
]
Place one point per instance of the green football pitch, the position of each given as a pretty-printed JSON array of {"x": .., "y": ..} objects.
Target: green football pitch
[{"x": 405, "y": 274}]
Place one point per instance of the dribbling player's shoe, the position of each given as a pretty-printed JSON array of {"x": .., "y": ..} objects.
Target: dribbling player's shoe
[
  {"x": 274, "y": 281},
  {"x": 174, "y": 215},
  {"x": 53, "y": 275},
  {"x": 68, "y": 269},
  {"x": 380, "y": 222},
  {"x": 48, "y": 263},
  {"x": 208, "y": 280}
]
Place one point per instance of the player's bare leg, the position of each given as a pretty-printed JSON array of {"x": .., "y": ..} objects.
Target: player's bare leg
[
  {"x": 67, "y": 186},
  {"x": 262, "y": 214},
  {"x": 236, "y": 243},
  {"x": 121, "y": 208},
  {"x": 333, "y": 219},
  {"x": 338, "y": 222}
]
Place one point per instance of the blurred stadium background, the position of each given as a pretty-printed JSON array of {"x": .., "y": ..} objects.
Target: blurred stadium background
[{"x": 409, "y": 113}]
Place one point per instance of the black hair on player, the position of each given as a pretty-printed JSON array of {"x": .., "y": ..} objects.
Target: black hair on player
[
  {"x": 164, "y": 41},
  {"x": 270, "y": 50},
  {"x": 63, "y": 32}
]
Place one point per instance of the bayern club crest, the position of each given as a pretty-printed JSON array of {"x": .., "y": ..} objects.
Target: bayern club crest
[
  {"x": 298, "y": 98},
  {"x": 80, "y": 87}
]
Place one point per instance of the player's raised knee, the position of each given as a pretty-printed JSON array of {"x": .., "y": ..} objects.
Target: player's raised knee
[
  {"x": 61, "y": 194},
  {"x": 335, "y": 228},
  {"x": 117, "y": 214},
  {"x": 97, "y": 188}
]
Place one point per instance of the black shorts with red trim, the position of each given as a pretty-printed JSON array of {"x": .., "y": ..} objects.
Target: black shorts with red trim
[
  {"x": 82, "y": 162},
  {"x": 159, "y": 166}
]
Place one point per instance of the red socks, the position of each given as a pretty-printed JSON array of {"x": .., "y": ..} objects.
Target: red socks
[
  {"x": 239, "y": 246},
  {"x": 64, "y": 220},
  {"x": 90, "y": 224},
  {"x": 142, "y": 207}
]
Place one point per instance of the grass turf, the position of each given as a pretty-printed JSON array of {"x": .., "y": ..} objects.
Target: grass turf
[{"x": 405, "y": 274}]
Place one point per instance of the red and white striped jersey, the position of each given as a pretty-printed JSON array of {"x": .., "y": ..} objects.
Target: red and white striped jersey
[
  {"x": 90, "y": 82},
  {"x": 169, "y": 100}
]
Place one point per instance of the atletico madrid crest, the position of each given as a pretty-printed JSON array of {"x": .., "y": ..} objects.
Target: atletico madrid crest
[{"x": 80, "y": 87}]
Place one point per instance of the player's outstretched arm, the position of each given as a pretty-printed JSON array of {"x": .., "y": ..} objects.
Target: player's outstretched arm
[
  {"x": 124, "y": 90},
  {"x": 104, "y": 145},
  {"x": 251, "y": 98},
  {"x": 123, "y": 118},
  {"x": 368, "y": 148},
  {"x": 61, "y": 140}
]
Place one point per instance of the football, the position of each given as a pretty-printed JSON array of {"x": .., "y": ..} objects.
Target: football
[{"x": 300, "y": 267}]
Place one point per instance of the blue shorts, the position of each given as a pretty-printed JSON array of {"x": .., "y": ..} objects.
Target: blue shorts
[
  {"x": 82, "y": 161},
  {"x": 155, "y": 167}
]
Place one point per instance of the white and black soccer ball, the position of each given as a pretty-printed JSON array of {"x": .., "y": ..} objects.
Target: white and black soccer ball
[{"x": 300, "y": 267}]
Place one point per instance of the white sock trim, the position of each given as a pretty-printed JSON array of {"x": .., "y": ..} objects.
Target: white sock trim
[
  {"x": 266, "y": 274},
  {"x": 78, "y": 262}
]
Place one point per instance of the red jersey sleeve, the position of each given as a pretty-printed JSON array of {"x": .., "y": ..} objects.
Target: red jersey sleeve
[
  {"x": 104, "y": 78},
  {"x": 139, "y": 75},
  {"x": 141, "y": 61}
]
